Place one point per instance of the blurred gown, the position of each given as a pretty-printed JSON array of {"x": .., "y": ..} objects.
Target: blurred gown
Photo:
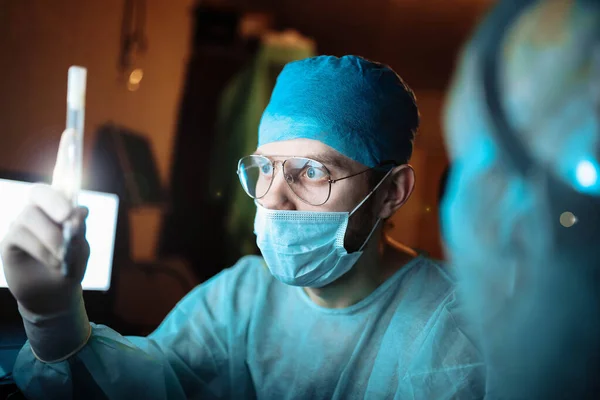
[
  {"x": 530, "y": 284},
  {"x": 245, "y": 335}
]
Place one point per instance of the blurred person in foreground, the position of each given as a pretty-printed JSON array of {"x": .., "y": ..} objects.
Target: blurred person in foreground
[
  {"x": 328, "y": 312},
  {"x": 521, "y": 213}
]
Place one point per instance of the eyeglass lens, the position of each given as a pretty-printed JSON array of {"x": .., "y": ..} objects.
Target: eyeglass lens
[{"x": 308, "y": 179}]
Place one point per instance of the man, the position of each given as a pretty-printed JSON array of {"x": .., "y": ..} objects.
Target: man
[{"x": 330, "y": 312}]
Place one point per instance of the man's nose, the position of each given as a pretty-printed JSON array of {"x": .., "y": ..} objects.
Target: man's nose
[{"x": 279, "y": 196}]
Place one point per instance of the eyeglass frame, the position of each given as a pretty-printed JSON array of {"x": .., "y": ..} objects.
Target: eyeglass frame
[{"x": 329, "y": 180}]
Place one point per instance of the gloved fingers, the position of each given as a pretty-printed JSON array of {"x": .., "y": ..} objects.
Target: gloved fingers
[
  {"x": 20, "y": 242},
  {"x": 52, "y": 202},
  {"x": 47, "y": 232}
]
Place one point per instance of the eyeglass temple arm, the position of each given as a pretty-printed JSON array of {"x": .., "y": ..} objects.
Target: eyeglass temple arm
[{"x": 381, "y": 164}]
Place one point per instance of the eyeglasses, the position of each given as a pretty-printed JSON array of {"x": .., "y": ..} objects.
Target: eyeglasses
[{"x": 308, "y": 179}]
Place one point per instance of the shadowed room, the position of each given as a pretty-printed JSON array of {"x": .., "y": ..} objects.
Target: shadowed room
[
  {"x": 157, "y": 72},
  {"x": 261, "y": 199},
  {"x": 174, "y": 95}
]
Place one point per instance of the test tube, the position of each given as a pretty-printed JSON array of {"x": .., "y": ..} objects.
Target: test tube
[{"x": 74, "y": 156}]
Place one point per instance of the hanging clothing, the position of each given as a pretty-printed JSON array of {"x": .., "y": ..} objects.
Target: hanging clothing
[{"x": 241, "y": 107}]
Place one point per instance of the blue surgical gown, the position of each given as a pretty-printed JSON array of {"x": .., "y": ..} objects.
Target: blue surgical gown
[{"x": 245, "y": 335}]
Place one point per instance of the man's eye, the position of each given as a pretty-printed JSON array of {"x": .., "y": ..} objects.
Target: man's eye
[
  {"x": 266, "y": 169},
  {"x": 313, "y": 173}
]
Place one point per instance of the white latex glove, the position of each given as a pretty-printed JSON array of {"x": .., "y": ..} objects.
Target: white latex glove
[
  {"x": 51, "y": 304},
  {"x": 31, "y": 254}
]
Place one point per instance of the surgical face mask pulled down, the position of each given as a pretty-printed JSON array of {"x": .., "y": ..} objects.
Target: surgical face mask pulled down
[{"x": 306, "y": 248}]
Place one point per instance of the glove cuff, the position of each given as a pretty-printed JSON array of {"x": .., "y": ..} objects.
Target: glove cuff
[{"x": 54, "y": 338}]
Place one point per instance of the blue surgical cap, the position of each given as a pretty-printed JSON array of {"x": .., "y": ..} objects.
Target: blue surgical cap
[{"x": 360, "y": 108}]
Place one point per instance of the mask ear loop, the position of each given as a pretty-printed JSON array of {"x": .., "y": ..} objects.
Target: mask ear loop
[
  {"x": 370, "y": 234},
  {"x": 362, "y": 202},
  {"x": 370, "y": 193}
]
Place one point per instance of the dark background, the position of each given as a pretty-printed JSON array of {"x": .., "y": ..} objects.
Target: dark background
[{"x": 188, "y": 52}]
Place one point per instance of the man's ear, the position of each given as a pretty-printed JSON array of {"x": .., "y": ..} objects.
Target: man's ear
[{"x": 399, "y": 189}]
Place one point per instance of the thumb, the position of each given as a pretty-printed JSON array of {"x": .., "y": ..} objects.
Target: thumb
[{"x": 78, "y": 249}]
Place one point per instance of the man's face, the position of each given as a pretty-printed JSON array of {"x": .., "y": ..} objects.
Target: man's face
[{"x": 345, "y": 194}]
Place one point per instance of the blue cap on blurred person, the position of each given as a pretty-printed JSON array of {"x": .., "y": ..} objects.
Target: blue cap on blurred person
[
  {"x": 528, "y": 282},
  {"x": 362, "y": 109}
]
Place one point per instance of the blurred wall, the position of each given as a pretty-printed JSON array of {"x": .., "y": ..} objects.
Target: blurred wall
[
  {"x": 416, "y": 224},
  {"x": 40, "y": 39}
]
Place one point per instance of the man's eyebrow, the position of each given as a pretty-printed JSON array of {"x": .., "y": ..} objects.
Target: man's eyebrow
[
  {"x": 329, "y": 160},
  {"x": 326, "y": 159}
]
